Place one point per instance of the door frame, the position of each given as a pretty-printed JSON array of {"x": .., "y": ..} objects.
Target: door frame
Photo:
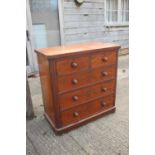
[
  {"x": 32, "y": 68},
  {"x": 61, "y": 20}
]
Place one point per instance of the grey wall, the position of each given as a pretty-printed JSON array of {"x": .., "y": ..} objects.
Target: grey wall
[
  {"x": 46, "y": 12},
  {"x": 87, "y": 23}
]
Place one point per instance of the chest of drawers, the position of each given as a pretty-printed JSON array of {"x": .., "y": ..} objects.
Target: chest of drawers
[{"x": 78, "y": 83}]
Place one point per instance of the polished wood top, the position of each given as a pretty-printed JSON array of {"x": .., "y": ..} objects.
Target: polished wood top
[{"x": 67, "y": 49}]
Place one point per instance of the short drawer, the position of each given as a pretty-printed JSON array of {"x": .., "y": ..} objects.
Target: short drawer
[
  {"x": 83, "y": 111},
  {"x": 73, "y": 81},
  {"x": 77, "y": 97},
  {"x": 103, "y": 59},
  {"x": 104, "y": 74},
  {"x": 71, "y": 65}
]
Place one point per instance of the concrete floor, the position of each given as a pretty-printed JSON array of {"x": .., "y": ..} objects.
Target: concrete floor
[{"x": 105, "y": 136}]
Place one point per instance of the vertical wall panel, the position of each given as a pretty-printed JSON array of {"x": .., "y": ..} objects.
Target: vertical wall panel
[{"x": 86, "y": 23}]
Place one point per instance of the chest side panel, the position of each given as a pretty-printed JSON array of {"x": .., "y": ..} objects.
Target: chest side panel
[{"x": 46, "y": 85}]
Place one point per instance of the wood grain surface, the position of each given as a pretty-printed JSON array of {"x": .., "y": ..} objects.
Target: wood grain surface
[{"x": 78, "y": 83}]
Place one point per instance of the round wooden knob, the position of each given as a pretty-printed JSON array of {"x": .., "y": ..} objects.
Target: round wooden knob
[
  {"x": 104, "y": 89},
  {"x": 76, "y": 114},
  {"x": 104, "y": 73},
  {"x": 74, "y": 81},
  {"x": 103, "y": 103},
  {"x": 74, "y": 64},
  {"x": 75, "y": 98},
  {"x": 105, "y": 59}
]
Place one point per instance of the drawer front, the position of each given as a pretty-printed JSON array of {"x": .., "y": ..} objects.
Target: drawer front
[
  {"x": 74, "y": 98},
  {"x": 84, "y": 78},
  {"x": 103, "y": 59},
  {"x": 78, "y": 113},
  {"x": 103, "y": 89},
  {"x": 73, "y": 81},
  {"x": 72, "y": 65},
  {"x": 77, "y": 97},
  {"x": 103, "y": 74}
]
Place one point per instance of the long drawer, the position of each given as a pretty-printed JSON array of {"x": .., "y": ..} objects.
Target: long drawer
[
  {"x": 85, "y": 78},
  {"x": 83, "y": 111},
  {"x": 77, "y": 97}
]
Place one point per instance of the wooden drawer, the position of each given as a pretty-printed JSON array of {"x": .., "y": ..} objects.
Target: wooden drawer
[
  {"x": 71, "y": 65},
  {"x": 74, "y": 98},
  {"x": 73, "y": 81},
  {"x": 103, "y": 59},
  {"x": 84, "y": 78},
  {"x": 105, "y": 73},
  {"x": 83, "y": 111}
]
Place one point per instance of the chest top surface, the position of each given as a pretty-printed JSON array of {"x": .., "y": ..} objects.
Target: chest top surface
[{"x": 71, "y": 49}]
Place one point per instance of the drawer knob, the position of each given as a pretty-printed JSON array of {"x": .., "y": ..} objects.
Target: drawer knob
[
  {"x": 75, "y": 98},
  {"x": 76, "y": 114},
  {"x": 74, "y": 81},
  {"x": 103, "y": 103},
  {"x": 74, "y": 64},
  {"x": 104, "y": 73},
  {"x": 104, "y": 89},
  {"x": 105, "y": 59}
]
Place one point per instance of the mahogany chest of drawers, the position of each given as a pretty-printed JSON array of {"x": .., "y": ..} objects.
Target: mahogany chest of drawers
[{"x": 78, "y": 83}]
